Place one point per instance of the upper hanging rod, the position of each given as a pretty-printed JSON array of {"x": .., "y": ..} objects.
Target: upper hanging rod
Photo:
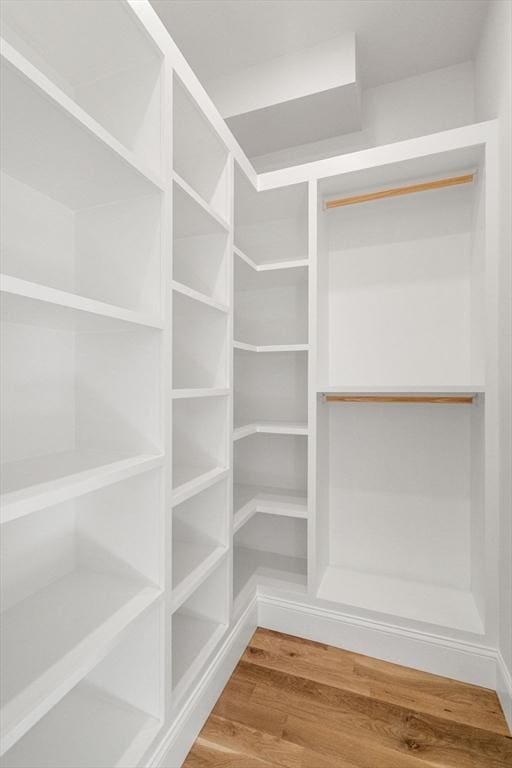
[
  {"x": 442, "y": 399},
  {"x": 397, "y": 191}
]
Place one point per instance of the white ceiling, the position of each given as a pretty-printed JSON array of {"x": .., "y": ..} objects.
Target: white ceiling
[{"x": 396, "y": 38}]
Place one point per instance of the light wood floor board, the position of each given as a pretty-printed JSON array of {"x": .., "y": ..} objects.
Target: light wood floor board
[{"x": 292, "y": 703}]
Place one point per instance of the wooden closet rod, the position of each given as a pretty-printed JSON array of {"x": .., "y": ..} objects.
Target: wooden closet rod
[
  {"x": 397, "y": 191},
  {"x": 446, "y": 399}
]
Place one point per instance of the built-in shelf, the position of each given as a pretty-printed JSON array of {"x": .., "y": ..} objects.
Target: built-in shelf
[
  {"x": 24, "y": 288},
  {"x": 189, "y": 480},
  {"x": 198, "y": 296},
  {"x": 250, "y": 499},
  {"x": 270, "y": 266},
  {"x": 116, "y": 733},
  {"x": 53, "y": 638},
  {"x": 192, "y": 215},
  {"x": 197, "y": 626},
  {"x": 399, "y": 389},
  {"x": 43, "y": 481},
  {"x": 254, "y": 567},
  {"x": 270, "y": 347},
  {"x": 192, "y": 563},
  {"x": 200, "y": 157},
  {"x": 185, "y": 394},
  {"x": 270, "y": 428},
  {"x": 200, "y": 344},
  {"x": 404, "y": 598},
  {"x": 38, "y": 120}
]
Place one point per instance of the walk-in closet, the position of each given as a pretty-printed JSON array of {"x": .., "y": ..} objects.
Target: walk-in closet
[{"x": 247, "y": 380}]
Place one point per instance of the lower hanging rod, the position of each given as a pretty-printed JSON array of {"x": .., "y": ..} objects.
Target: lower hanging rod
[
  {"x": 440, "y": 399},
  {"x": 453, "y": 181}
]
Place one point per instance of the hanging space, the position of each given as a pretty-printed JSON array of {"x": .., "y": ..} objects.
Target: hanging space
[{"x": 401, "y": 408}]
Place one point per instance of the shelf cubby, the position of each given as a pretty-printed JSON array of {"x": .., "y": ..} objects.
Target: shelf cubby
[
  {"x": 270, "y": 387},
  {"x": 270, "y": 550},
  {"x": 199, "y": 155},
  {"x": 400, "y": 510},
  {"x": 73, "y": 577},
  {"x": 197, "y": 626},
  {"x": 272, "y": 461},
  {"x": 200, "y": 344},
  {"x": 84, "y": 221},
  {"x": 270, "y": 307},
  {"x": 199, "y": 440},
  {"x": 401, "y": 280},
  {"x": 199, "y": 538},
  {"x": 271, "y": 226},
  {"x": 79, "y": 393},
  {"x": 119, "y": 701},
  {"x": 98, "y": 55},
  {"x": 250, "y": 499}
]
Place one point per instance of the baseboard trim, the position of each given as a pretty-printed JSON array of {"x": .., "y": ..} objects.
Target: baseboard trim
[
  {"x": 175, "y": 745},
  {"x": 504, "y": 688},
  {"x": 468, "y": 662}
]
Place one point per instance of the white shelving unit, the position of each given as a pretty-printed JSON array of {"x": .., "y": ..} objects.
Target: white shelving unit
[{"x": 172, "y": 323}]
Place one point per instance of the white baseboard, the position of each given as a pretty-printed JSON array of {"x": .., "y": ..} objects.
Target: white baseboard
[
  {"x": 175, "y": 745},
  {"x": 468, "y": 662},
  {"x": 504, "y": 688}
]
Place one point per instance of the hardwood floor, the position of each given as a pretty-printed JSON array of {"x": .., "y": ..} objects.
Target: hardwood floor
[{"x": 293, "y": 703}]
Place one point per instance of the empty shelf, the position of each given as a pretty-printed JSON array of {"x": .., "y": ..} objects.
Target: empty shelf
[
  {"x": 430, "y": 603},
  {"x": 270, "y": 428},
  {"x": 87, "y": 729},
  {"x": 193, "y": 639},
  {"x": 54, "y": 637},
  {"x": 192, "y": 214},
  {"x": 30, "y": 485},
  {"x": 191, "y": 563},
  {"x": 183, "y": 394},
  {"x": 242, "y": 345},
  {"x": 253, "y": 566},
  {"x": 198, "y": 296},
  {"x": 189, "y": 480},
  {"x": 250, "y": 499}
]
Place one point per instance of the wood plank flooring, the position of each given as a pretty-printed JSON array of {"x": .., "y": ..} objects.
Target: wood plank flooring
[{"x": 292, "y": 703}]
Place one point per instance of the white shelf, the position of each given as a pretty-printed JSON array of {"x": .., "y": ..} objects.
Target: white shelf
[
  {"x": 116, "y": 734},
  {"x": 192, "y": 215},
  {"x": 192, "y": 563},
  {"x": 270, "y": 428},
  {"x": 47, "y": 480},
  {"x": 25, "y": 289},
  {"x": 39, "y": 120},
  {"x": 193, "y": 639},
  {"x": 183, "y": 394},
  {"x": 53, "y": 638},
  {"x": 242, "y": 345},
  {"x": 253, "y": 567},
  {"x": 404, "y": 598},
  {"x": 399, "y": 389},
  {"x": 250, "y": 499},
  {"x": 198, "y": 296},
  {"x": 270, "y": 266},
  {"x": 189, "y": 480}
]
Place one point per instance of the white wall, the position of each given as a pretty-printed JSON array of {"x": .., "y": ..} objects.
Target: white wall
[
  {"x": 411, "y": 107},
  {"x": 493, "y": 67}
]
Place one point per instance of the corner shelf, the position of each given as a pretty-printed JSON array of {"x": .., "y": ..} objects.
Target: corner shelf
[
  {"x": 250, "y": 499},
  {"x": 243, "y": 346},
  {"x": 185, "y": 394},
  {"x": 193, "y": 215},
  {"x": 270, "y": 428}
]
